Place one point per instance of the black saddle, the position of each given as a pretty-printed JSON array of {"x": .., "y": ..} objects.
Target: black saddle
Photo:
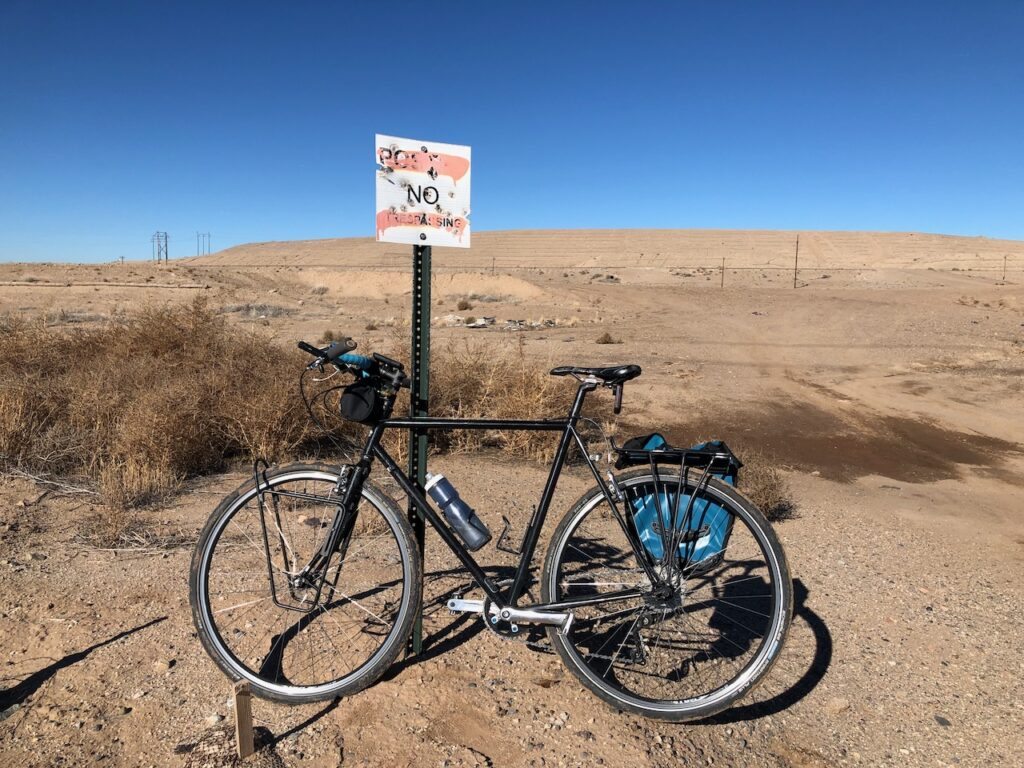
[{"x": 615, "y": 374}]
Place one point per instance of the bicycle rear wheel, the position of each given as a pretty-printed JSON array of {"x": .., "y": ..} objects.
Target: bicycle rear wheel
[
  {"x": 291, "y": 642},
  {"x": 678, "y": 656}
]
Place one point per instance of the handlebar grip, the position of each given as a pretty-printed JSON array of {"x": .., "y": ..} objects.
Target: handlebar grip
[
  {"x": 357, "y": 361},
  {"x": 315, "y": 351}
]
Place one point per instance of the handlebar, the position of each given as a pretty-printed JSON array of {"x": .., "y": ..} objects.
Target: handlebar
[{"x": 338, "y": 354}]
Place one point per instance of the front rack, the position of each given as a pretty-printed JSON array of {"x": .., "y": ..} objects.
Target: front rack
[{"x": 288, "y": 566}]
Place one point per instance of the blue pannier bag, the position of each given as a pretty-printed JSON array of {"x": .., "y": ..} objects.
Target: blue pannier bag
[{"x": 711, "y": 523}]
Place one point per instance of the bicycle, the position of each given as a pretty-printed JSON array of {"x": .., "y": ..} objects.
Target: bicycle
[{"x": 307, "y": 579}]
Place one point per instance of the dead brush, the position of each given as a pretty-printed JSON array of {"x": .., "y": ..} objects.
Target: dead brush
[
  {"x": 139, "y": 404},
  {"x": 764, "y": 484},
  {"x": 134, "y": 407},
  {"x": 473, "y": 381}
]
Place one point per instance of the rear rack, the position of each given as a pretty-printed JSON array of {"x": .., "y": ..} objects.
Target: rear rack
[{"x": 716, "y": 461}]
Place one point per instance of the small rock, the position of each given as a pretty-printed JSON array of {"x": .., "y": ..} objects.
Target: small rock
[
  {"x": 214, "y": 719},
  {"x": 37, "y": 556},
  {"x": 836, "y": 705},
  {"x": 942, "y": 721},
  {"x": 163, "y": 665}
]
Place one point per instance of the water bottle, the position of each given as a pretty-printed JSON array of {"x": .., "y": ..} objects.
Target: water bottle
[{"x": 458, "y": 513}]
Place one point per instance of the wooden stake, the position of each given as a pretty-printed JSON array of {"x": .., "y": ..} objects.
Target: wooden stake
[
  {"x": 723, "y": 271},
  {"x": 243, "y": 719}
]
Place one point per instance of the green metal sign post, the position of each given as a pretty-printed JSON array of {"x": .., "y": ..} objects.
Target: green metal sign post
[
  {"x": 422, "y": 200},
  {"x": 419, "y": 402}
]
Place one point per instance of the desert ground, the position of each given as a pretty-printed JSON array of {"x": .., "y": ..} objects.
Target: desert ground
[{"x": 888, "y": 385}]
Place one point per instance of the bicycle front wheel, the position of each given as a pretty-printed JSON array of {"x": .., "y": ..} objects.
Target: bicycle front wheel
[
  {"x": 297, "y": 641},
  {"x": 698, "y": 643}
]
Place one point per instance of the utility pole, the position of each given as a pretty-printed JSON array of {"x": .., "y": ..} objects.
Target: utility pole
[{"x": 796, "y": 259}]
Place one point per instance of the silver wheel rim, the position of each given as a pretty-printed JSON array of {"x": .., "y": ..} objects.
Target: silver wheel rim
[
  {"x": 750, "y": 674},
  {"x": 229, "y": 657}
]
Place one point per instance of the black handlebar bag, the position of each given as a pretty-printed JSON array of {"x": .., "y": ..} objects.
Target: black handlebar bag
[{"x": 362, "y": 402}]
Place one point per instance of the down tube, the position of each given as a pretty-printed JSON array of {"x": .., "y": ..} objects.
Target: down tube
[{"x": 442, "y": 529}]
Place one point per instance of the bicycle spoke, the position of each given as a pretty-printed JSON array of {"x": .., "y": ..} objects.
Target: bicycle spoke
[
  {"x": 684, "y": 640},
  {"x": 302, "y": 639}
]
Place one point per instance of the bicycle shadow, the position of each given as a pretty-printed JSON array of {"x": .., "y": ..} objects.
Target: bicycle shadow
[
  {"x": 465, "y": 626},
  {"x": 462, "y": 628},
  {"x": 20, "y": 692},
  {"x": 808, "y": 680}
]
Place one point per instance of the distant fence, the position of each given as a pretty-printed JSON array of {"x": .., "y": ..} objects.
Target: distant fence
[{"x": 1000, "y": 267}]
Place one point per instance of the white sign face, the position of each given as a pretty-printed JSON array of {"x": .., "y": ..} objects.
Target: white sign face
[{"x": 422, "y": 192}]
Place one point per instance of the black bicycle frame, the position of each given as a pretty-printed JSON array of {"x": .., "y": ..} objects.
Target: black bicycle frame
[{"x": 567, "y": 426}]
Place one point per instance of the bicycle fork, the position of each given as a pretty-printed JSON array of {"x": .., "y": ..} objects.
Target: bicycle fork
[{"x": 313, "y": 575}]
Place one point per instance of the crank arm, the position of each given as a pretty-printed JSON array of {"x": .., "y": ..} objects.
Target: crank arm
[{"x": 514, "y": 615}]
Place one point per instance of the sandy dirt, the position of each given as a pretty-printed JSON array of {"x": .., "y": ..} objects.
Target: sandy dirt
[{"x": 890, "y": 391}]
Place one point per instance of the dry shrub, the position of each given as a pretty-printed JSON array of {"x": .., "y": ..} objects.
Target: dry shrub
[
  {"x": 329, "y": 336},
  {"x": 141, "y": 403},
  {"x": 607, "y": 338},
  {"x": 476, "y": 381},
  {"x": 463, "y": 305},
  {"x": 763, "y": 483}
]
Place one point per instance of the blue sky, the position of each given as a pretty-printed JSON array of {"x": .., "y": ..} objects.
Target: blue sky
[{"x": 255, "y": 121}]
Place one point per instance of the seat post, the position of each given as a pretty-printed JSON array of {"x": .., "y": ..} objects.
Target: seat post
[{"x": 581, "y": 393}]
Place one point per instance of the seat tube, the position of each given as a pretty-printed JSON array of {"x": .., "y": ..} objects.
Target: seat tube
[{"x": 541, "y": 512}]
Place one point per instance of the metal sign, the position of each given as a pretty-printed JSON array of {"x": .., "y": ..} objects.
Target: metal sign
[{"x": 422, "y": 192}]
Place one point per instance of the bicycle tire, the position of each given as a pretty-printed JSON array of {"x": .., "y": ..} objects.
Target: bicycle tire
[
  {"x": 586, "y": 664},
  {"x": 212, "y": 631}
]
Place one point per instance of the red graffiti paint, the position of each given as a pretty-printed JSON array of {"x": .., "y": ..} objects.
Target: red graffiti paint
[
  {"x": 432, "y": 163},
  {"x": 455, "y": 225}
]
